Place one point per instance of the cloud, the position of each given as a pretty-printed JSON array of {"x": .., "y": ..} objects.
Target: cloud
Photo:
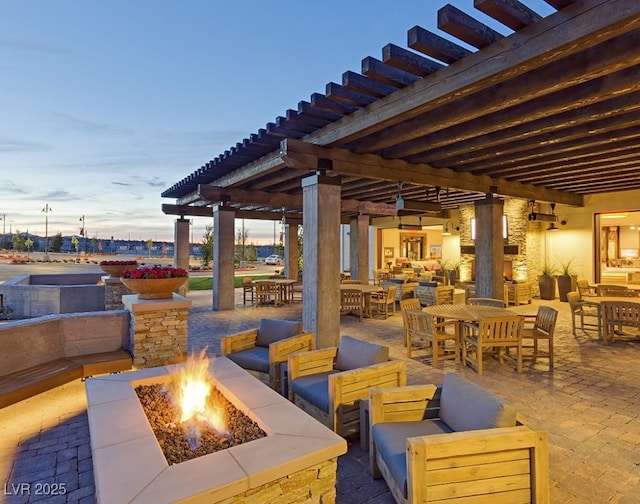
[
  {"x": 121, "y": 183},
  {"x": 58, "y": 195},
  {"x": 7, "y": 145},
  {"x": 88, "y": 126},
  {"x": 32, "y": 46}
]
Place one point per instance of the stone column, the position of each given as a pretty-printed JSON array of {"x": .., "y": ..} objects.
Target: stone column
[
  {"x": 489, "y": 248},
  {"x": 223, "y": 258},
  {"x": 359, "y": 248},
  {"x": 321, "y": 284},
  {"x": 158, "y": 331},
  {"x": 291, "y": 268},
  {"x": 181, "y": 249},
  {"x": 114, "y": 290}
]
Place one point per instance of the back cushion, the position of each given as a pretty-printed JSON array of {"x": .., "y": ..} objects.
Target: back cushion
[
  {"x": 467, "y": 406},
  {"x": 354, "y": 353},
  {"x": 271, "y": 330}
]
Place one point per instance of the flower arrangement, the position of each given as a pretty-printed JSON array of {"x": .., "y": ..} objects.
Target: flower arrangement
[
  {"x": 118, "y": 263},
  {"x": 155, "y": 272}
]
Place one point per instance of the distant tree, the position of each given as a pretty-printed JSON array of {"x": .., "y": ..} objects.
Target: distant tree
[
  {"x": 206, "y": 247},
  {"x": 76, "y": 243},
  {"x": 55, "y": 245},
  {"x": 241, "y": 240},
  {"x": 94, "y": 241},
  {"x": 149, "y": 244},
  {"x": 252, "y": 254},
  {"x": 18, "y": 242},
  {"x": 28, "y": 243}
]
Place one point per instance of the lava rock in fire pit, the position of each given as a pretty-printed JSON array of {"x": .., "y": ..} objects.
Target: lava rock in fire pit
[{"x": 172, "y": 437}]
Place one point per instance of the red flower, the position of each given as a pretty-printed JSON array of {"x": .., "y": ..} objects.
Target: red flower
[{"x": 155, "y": 272}]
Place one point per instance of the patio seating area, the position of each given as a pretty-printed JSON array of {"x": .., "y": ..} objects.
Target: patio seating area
[{"x": 589, "y": 405}]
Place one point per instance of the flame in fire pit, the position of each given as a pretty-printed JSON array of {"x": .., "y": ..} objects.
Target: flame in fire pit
[{"x": 191, "y": 393}]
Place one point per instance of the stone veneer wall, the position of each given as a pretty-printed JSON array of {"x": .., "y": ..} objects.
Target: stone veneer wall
[
  {"x": 527, "y": 235},
  {"x": 114, "y": 290},
  {"x": 158, "y": 331},
  {"x": 317, "y": 484}
]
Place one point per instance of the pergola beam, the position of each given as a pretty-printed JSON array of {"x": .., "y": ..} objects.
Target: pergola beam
[{"x": 298, "y": 153}]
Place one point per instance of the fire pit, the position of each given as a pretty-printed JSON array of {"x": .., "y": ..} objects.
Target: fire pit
[{"x": 297, "y": 455}]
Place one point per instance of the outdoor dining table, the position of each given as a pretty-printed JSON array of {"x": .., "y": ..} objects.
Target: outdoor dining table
[
  {"x": 596, "y": 302},
  {"x": 366, "y": 290},
  {"x": 284, "y": 284},
  {"x": 466, "y": 313}
]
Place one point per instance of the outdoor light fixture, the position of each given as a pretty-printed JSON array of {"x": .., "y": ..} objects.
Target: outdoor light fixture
[
  {"x": 538, "y": 216},
  {"x": 410, "y": 227},
  {"x": 552, "y": 227},
  {"x": 505, "y": 227},
  {"x": 445, "y": 231}
]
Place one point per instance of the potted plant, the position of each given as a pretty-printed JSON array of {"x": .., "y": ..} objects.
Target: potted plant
[
  {"x": 566, "y": 280},
  {"x": 157, "y": 282},
  {"x": 116, "y": 268},
  {"x": 547, "y": 281}
]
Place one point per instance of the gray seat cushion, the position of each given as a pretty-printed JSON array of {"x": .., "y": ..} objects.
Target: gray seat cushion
[
  {"x": 467, "y": 406},
  {"x": 272, "y": 330},
  {"x": 354, "y": 354},
  {"x": 256, "y": 359},
  {"x": 314, "y": 389},
  {"x": 391, "y": 443}
]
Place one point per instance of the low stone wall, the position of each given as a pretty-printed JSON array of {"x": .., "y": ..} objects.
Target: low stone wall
[
  {"x": 28, "y": 343},
  {"x": 317, "y": 484}
]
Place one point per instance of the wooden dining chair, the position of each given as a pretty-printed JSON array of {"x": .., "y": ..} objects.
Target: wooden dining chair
[
  {"x": 425, "y": 332},
  {"x": 582, "y": 311},
  {"x": 352, "y": 301},
  {"x": 620, "y": 320},
  {"x": 384, "y": 302},
  {"x": 498, "y": 303},
  {"x": 539, "y": 327},
  {"x": 408, "y": 304},
  {"x": 267, "y": 293},
  {"x": 610, "y": 290},
  {"x": 584, "y": 289},
  {"x": 247, "y": 288},
  {"x": 493, "y": 335}
]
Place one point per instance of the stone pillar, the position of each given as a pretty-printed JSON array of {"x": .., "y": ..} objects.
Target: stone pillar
[
  {"x": 489, "y": 248},
  {"x": 321, "y": 284},
  {"x": 359, "y": 248},
  {"x": 114, "y": 289},
  {"x": 223, "y": 258},
  {"x": 181, "y": 249},
  {"x": 158, "y": 331},
  {"x": 291, "y": 267}
]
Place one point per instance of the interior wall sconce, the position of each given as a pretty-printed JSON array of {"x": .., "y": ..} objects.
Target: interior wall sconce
[
  {"x": 505, "y": 227},
  {"x": 448, "y": 227}
]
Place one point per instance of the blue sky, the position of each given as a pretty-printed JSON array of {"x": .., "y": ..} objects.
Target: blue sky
[{"x": 103, "y": 105}]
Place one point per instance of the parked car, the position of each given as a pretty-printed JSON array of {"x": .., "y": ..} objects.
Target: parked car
[{"x": 274, "y": 260}]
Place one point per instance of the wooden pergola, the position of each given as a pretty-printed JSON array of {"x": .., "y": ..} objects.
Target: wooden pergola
[{"x": 549, "y": 113}]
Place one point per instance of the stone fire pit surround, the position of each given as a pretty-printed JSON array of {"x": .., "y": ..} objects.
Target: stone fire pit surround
[{"x": 298, "y": 453}]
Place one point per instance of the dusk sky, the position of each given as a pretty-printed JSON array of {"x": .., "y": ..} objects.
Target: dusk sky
[{"x": 103, "y": 105}]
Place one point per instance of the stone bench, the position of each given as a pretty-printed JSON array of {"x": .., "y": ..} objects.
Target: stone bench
[
  {"x": 32, "y": 381},
  {"x": 42, "y": 353}
]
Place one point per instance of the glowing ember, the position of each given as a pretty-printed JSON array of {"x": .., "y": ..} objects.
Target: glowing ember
[{"x": 191, "y": 392}]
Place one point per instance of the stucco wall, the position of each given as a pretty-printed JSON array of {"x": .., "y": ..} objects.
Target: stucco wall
[
  {"x": 27, "y": 343},
  {"x": 39, "y": 295}
]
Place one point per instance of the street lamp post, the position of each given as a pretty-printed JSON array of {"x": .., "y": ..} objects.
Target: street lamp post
[
  {"x": 4, "y": 223},
  {"x": 83, "y": 233},
  {"x": 46, "y": 211}
]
